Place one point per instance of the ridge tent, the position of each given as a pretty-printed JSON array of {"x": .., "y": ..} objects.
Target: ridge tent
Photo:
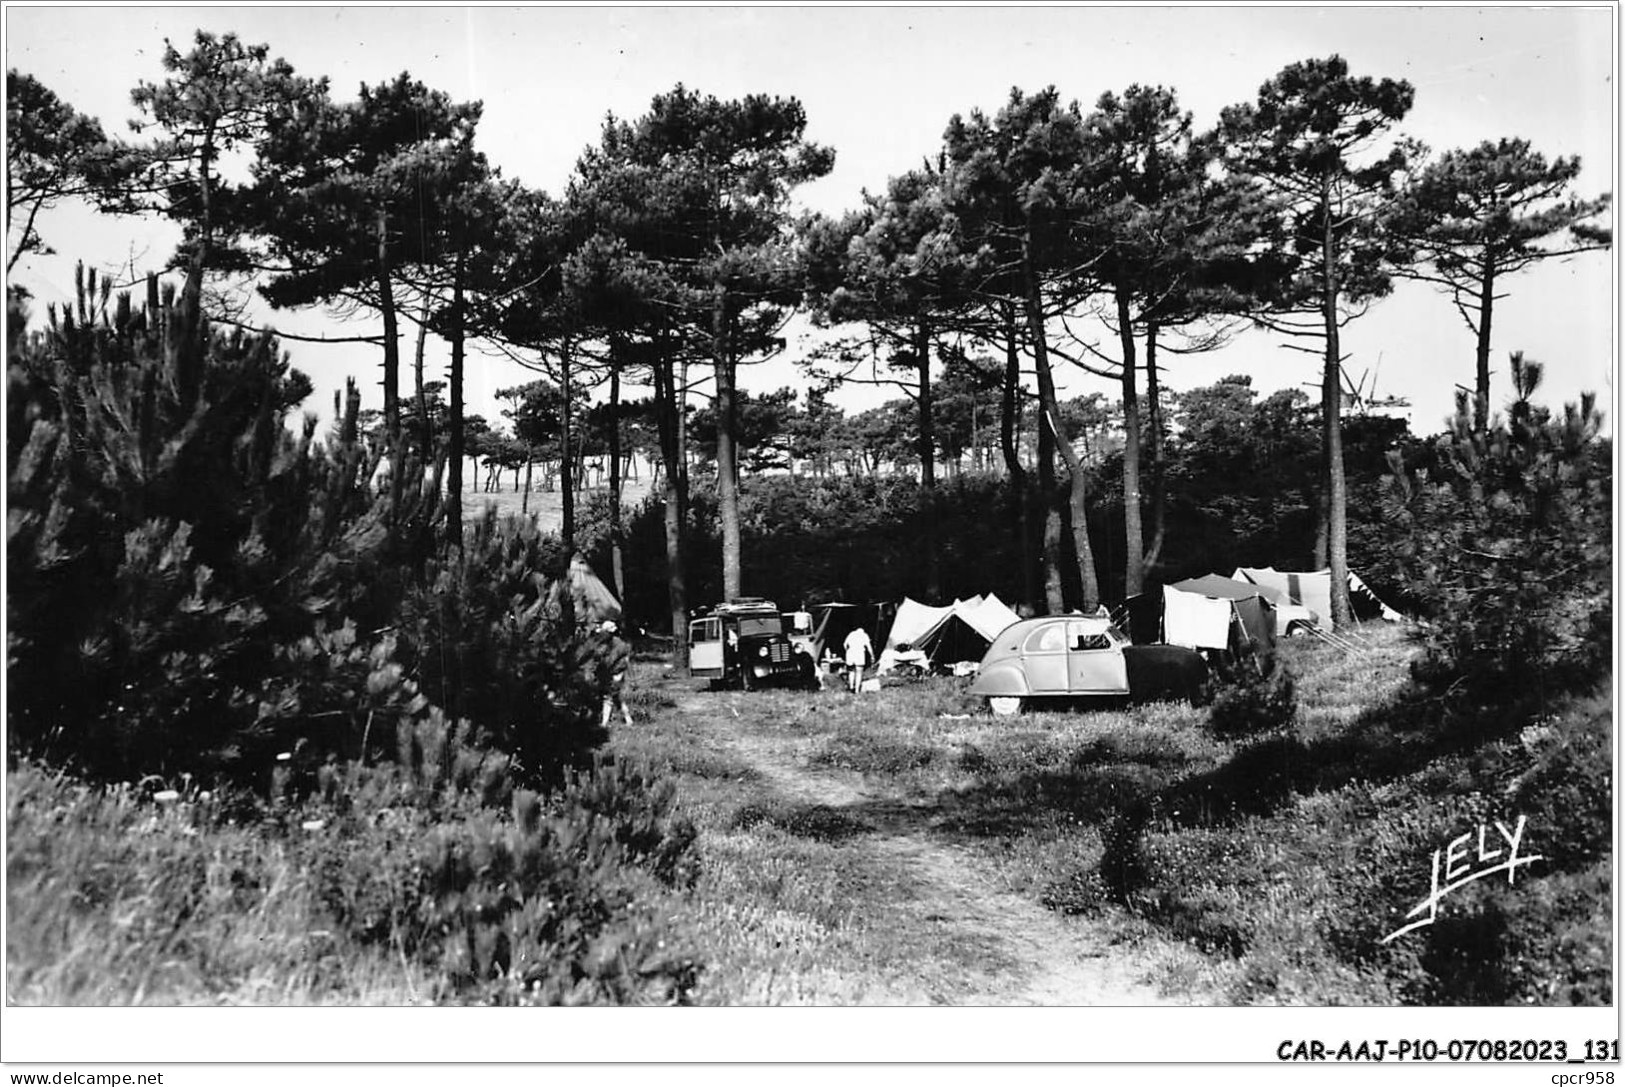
[
  {"x": 1254, "y": 611},
  {"x": 1314, "y": 591},
  {"x": 591, "y": 601},
  {"x": 961, "y": 631},
  {"x": 1309, "y": 590},
  {"x": 1290, "y": 618}
]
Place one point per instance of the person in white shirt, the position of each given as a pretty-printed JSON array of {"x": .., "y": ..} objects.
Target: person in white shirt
[{"x": 858, "y": 651}]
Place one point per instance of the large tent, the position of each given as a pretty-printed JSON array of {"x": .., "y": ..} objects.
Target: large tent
[
  {"x": 832, "y": 622},
  {"x": 1314, "y": 591},
  {"x": 960, "y": 631}
]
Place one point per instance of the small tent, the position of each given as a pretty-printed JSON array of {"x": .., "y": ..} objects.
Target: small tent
[
  {"x": 1208, "y": 612},
  {"x": 960, "y": 631},
  {"x": 1252, "y": 609},
  {"x": 591, "y": 601},
  {"x": 1368, "y": 604}
]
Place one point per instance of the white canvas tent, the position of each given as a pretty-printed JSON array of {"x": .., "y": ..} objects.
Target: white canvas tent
[
  {"x": 958, "y": 631},
  {"x": 1313, "y": 590}
]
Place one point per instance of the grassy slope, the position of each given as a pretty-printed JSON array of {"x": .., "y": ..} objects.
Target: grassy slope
[{"x": 1260, "y": 870}]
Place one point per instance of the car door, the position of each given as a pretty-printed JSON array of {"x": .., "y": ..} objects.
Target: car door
[
  {"x": 705, "y": 647},
  {"x": 1043, "y": 657},
  {"x": 1095, "y": 663}
]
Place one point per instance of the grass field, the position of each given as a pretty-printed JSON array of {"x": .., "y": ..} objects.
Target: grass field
[
  {"x": 546, "y": 506},
  {"x": 905, "y": 847}
]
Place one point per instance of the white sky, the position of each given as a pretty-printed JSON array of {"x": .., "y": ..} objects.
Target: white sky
[{"x": 879, "y": 85}]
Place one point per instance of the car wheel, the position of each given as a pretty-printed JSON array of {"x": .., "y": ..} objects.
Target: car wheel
[
  {"x": 1004, "y": 705},
  {"x": 1297, "y": 630}
]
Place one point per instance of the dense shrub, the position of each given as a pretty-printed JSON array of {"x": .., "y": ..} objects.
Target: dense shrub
[
  {"x": 170, "y": 542},
  {"x": 198, "y": 594},
  {"x": 496, "y": 635},
  {"x": 1505, "y": 539},
  {"x": 194, "y": 588}
]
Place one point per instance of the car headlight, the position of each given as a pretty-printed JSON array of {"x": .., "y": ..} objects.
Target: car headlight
[{"x": 761, "y": 651}]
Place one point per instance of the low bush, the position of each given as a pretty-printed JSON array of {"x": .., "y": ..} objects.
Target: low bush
[
  {"x": 549, "y": 902},
  {"x": 818, "y": 822},
  {"x": 1255, "y": 695}
]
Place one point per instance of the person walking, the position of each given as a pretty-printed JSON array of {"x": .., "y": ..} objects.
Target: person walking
[{"x": 858, "y": 649}]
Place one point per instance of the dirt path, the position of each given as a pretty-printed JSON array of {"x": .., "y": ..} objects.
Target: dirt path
[{"x": 1035, "y": 955}]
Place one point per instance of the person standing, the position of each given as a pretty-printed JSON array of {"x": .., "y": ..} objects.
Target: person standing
[
  {"x": 617, "y": 659},
  {"x": 858, "y": 651}
]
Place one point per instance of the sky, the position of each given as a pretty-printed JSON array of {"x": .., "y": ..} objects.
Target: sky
[{"x": 879, "y": 86}]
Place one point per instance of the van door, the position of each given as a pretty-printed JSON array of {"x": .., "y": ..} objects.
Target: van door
[{"x": 705, "y": 647}]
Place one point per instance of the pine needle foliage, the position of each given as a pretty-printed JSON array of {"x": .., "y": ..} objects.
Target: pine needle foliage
[{"x": 197, "y": 588}]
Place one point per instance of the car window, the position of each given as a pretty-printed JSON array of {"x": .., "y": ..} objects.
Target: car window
[{"x": 1047, "y": 639}]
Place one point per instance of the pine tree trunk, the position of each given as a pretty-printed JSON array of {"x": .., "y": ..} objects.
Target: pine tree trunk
[
  {"x": 1009, "y": 429},
  {"x": 454, "y": 483},
  {"x": 392, "y": 367},
  {"x": 727, "y": 459},
  {"x": 1486, "y": 306},
  {"x": 616, "y": 574},
  {"x": 566, "y": 487},
  {"x": 928, "y": 464},
  {"x": 668, "y": 423},
  {"x": 1159, "y": 496},
  {"x": 1331, "y": 398},
  {"x": 421, "y": 397},
  {"x": 1078, "y": 487},
  {"x": 1134, "y": 543}
]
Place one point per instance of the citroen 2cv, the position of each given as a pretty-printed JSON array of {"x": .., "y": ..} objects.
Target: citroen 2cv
[{"x": 1059, "y": 657}]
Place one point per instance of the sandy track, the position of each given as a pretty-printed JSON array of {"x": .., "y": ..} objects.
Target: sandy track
[{"x": 1035, "y": 956}]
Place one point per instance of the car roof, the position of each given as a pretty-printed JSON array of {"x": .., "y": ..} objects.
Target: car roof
[{"x": 1009, "y": 641}]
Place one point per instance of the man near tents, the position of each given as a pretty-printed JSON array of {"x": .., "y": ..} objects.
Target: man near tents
[{"x": 858, "y": 649}]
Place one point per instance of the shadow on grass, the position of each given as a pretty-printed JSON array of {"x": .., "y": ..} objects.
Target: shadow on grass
[
  {"x": 818, "y": 822},
  {"x": 1105, "y": 781}
]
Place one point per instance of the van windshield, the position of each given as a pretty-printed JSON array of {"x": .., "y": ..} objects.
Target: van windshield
[{"x": 765, "y": 624}]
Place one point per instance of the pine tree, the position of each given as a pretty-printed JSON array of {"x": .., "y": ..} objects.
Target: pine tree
[
  {"x": 1310, "y": 138},
  {"x": 1480, "y": 215}
]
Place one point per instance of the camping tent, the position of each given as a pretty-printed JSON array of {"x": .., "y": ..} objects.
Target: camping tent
[
  {"x": 1367, "y": 603},
  {"x": 832, "y": 622},
  {"x": 591, "y": 601},
  {"x": 1208, "y": 612},
  {"x": 1252, "y": 609},
  {"x": 1314, "y": 591},
  {"x": 960, "y": 631}
]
